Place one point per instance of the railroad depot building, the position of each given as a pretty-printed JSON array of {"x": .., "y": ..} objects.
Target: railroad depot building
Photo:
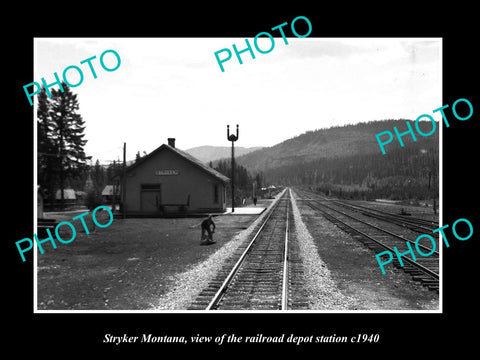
[{"x": 169, "y": 181}]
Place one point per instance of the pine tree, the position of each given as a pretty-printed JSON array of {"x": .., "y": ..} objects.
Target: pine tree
[
  {"x": 98, "y": 176},
  {"x": 45, "y": 147},
  {"x": 114, "y": 170},
  {"x": 60, "y": 135}
]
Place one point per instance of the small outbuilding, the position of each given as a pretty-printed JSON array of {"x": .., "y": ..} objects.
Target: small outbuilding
[
  {"x": 110, "y": 192},
  {"x": 69, "y": 196},
  {"x": 170, "y": 181}
]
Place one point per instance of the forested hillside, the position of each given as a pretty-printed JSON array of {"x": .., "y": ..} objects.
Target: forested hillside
[{"x": 347, "y": 161}]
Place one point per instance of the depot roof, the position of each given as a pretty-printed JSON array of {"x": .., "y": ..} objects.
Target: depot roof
[{"x": 194, "y": 161}]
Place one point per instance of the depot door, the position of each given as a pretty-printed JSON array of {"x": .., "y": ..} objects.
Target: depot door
[{"x": 150, "y": 197}]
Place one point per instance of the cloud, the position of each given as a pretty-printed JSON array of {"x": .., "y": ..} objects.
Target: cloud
[
  {"x": 316, "y": 48},
  {"x": 174, "y": 87},
  {"x": 365, "y": 50}
]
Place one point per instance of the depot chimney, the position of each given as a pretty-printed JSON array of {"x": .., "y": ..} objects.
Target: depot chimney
[{"x": 171, "y": 142}]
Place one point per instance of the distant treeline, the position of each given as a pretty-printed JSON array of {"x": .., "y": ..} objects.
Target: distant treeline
[
  {"x": 346, "y": 161},
  {"x": 243, "y": 180},
  {"x": 405, "y": 173}
]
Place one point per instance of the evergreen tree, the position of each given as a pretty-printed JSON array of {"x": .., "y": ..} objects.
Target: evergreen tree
[
  {"x": 258, "y": 180},
  {"x": 45, "y": 147},
  {"x": 98, "y": 177},
  {"x": 60, "y": 139},
  {"x": 114, "y": 171}
]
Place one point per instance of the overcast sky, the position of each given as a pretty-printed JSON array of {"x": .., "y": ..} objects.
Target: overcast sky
[{"x": 173, "y": 87}]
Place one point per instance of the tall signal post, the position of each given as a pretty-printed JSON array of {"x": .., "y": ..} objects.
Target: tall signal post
[{"x": 232, "y": 138}]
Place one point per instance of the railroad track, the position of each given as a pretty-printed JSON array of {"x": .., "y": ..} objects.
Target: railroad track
[
  {"x": 265, "y": 274},
  {"x": 380, "y": 233},
  {"x": 418, "y": 225}
]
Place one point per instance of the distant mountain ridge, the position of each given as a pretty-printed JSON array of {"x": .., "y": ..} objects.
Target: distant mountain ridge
[
  {"x": 345, "y": 161},
  {"x": 209, "y": 153},
  {"x": 334, "y": 142}
]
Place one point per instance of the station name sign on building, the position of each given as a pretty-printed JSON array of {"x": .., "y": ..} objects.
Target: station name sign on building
[{"x": 166, "y": 172}]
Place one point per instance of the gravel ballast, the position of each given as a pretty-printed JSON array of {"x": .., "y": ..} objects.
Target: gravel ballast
[
  {"x": 188, "y": 285},
  {"x": 355, "y": 271},
  {"x": 321, "y": 290},
  {"x": 340, "y": 274}
]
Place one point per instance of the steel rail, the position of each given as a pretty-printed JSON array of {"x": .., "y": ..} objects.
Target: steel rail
[
  {"x": 375, "y": 227},
  {"x": 413, "y": 221},
  {"x": 223, "y": 288},
  {"x": 412, "y": 262},
  {"x": 285, "y": 263},
  {"x": 384, "y": 215},
  {"x": 379, "y": 228}
]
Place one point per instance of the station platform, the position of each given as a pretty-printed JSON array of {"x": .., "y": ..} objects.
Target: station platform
[{"x": 246, "y": 210}]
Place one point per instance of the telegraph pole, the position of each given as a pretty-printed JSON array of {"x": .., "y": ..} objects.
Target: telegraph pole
[
  {"x": 232, "y": 138},
  {"x": 124, "y": 182}
]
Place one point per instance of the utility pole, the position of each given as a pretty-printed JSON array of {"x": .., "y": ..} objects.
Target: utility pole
[
  {"x": 62, "y": 175},
  {"x": 124, "y": 179},
  {"x": 232, "y": 138}
]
